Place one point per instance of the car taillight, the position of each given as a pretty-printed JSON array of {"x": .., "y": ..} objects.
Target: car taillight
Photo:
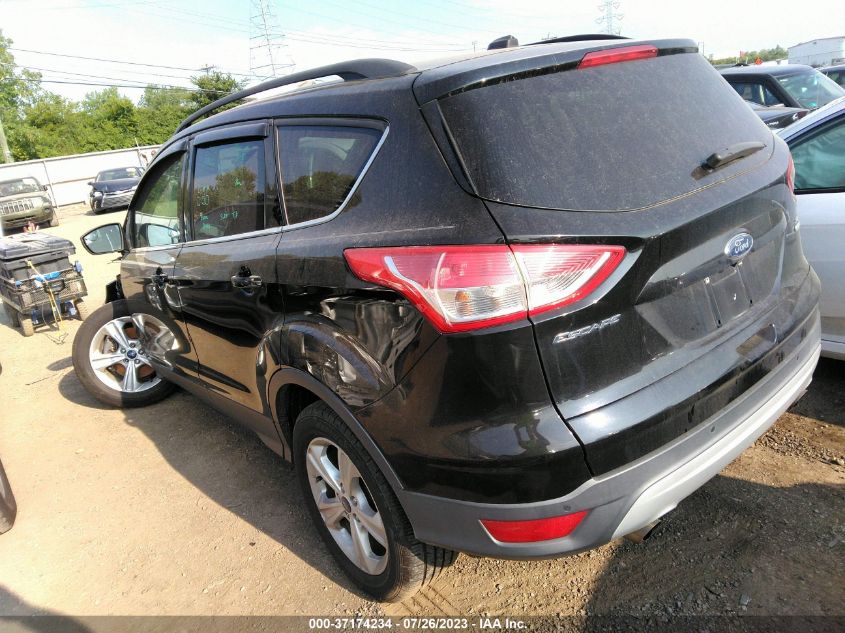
[
  {"x": 616, "y": 55},
  {"x": 460, "y": 288},
  {"x": 790, "y": 176},
  {"x": 533, "y": 530}
]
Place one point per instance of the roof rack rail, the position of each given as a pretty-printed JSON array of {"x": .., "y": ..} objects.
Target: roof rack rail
[
  {"x": 348, "y": 71},
  {"x": 580, "y": 38}
]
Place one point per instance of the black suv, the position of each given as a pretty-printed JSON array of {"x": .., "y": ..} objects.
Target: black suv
[
  {"x": 484, "y": 305},
  {"x": 792, "y": 85}
]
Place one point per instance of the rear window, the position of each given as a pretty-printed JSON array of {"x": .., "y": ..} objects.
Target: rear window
[{"x": 614, "y": 137}]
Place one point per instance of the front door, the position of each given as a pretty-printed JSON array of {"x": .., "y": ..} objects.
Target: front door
[
  {"x": 155, "y": 231},
  {"x": 226, "y": 270}
]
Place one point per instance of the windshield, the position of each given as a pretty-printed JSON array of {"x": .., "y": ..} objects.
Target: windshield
[
  {"x": 117, "y": 174},
  {"x": 22, "y": 185},
  {"x": 812, "y": 89}
]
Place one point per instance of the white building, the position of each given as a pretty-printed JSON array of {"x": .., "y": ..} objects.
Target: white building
[{"x": 822, "y": 52}]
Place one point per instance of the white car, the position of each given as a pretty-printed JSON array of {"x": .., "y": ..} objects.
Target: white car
[{"x": 817, "y": 143}]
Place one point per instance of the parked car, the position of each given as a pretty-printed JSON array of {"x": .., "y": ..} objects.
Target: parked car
[
  {"x": 817, "y": 143},
  {"x": 790, "y": 85},
  {"x": 483, "y": 305},
  {"x": 114, "y": 188},
  {"x": 837, "y": 73},
  {"x": 25, "y": 200},
  {"x": 776, "y": 117}
]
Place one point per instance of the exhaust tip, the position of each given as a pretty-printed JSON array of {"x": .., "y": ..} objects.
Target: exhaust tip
[{"x": 643, "y": 534}]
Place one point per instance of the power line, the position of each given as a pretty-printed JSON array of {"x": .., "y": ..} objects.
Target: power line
[
  {"x": 114, "y": 85},
  {"x": 100, "y": 59}
]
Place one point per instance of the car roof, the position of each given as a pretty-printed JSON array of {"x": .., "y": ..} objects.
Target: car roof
[
  {"x": 834, "y": 67},
  {"x": 832, "y": 109},
  {"x": 758, "y": 69}
]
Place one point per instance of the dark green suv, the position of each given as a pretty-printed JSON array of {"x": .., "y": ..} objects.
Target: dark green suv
[{"x": 25, "y": 200}]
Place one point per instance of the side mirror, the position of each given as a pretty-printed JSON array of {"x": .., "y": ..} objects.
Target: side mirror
[
  {"x": 104, "y": 239},
  {"x": 44, "y": 187},
  {"x": 90, "y": 183}
]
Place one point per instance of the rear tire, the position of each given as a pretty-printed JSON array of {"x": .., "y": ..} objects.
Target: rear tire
[
  {"x": 390, "y": 571},
  {"x": 26, "y": 325},
  {"x": 82, "y": 309},
  {"x": 105, "y": 366}
]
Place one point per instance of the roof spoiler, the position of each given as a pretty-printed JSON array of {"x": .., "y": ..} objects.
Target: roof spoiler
[{"x": 509, "y": 41}]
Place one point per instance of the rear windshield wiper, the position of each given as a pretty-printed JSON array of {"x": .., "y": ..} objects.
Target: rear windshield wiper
[{"x": 730, "y": 154}]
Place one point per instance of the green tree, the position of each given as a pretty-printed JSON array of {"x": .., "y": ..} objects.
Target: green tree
[
  {"x": 213, "y": 86},
  {"x": 19, "y": 88},
  {"x": 748, "y": 57},
  {"x": 160, "y": 111}
]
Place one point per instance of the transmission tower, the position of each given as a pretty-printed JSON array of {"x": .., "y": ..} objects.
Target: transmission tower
[
  {"x": 609, "y": 16},
  {"x": 268, "y": 54}
]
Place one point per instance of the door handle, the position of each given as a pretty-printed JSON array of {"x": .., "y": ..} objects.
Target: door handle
[{"x": 246, "y": 281}]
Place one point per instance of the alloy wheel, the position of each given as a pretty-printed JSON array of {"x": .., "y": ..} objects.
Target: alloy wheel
[{"x": 118, "y": 358}]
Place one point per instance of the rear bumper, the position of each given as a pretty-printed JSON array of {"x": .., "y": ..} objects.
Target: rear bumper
[{"x": 628, "y": 498}]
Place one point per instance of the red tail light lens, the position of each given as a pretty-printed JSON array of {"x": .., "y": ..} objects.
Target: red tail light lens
[
  {"x": 534, "y": 530},
  {"x": 616, "y": 55},
  {"x": 460, "y": 288},
  {"x": 790, "y": 176},
  {"x": 558, "y": 275}
]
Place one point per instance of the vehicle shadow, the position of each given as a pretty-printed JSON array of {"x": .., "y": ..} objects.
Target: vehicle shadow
[
  {"x": 825, "y": 398},
  {"x": 231, "y": 466},
  {"x": 19, "y": 615}
]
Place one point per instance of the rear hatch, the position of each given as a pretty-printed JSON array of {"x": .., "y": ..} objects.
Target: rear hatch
[{"x": 614, "y": 153}]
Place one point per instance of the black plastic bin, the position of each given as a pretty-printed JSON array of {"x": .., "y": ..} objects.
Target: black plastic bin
[{"x": 35, "y": 274}]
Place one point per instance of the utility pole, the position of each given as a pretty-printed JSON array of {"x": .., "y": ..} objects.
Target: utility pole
[
  {"x": 609, "y": 16},
  {"x": 4, "y": 146},
  {"x": 267, "y": 49}
]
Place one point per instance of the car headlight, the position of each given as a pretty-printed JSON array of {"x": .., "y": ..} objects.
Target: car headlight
[{"x": 98, "y": 194}]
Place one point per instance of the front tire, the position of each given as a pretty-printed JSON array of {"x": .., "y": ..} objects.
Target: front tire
[
  {"x": 110, "y": 361},
  {"x": 356, "y": 513},
  {"x": 54, "y": 219}
]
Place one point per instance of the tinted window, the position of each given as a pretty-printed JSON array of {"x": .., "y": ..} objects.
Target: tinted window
[
  {"x": 228, "y": 195},
  {"x": 618, "y": 136},
  {"x": 320, "y": 165},
  {"x": 757, "y": 93},
  {"x": 811, "y": 89},
  {"x": 156, "y": 206},
  {"x": 838, "y": 76},
  {"x": 820, "y": 160},
  {"x": 117, "y": 174}
]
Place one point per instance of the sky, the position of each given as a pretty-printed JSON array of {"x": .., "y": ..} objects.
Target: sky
[{"x": 135, "y": 42}]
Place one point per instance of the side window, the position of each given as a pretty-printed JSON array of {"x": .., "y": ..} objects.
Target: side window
[
  {"x": 756, "y": 92},
  {"x": 820, "y": 160},
  {"x": 319, "y": 165},
  {"x": 228, "y": 189},
  {"x": 156, "y": 212}
]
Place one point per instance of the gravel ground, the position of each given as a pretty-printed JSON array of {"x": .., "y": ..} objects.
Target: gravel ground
[{"x": 175, "y": 510}]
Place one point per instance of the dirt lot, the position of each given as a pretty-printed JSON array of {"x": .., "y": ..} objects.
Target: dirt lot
[{"x": 174, "y": 509}]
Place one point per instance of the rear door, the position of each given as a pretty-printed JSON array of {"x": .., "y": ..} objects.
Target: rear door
[
  {"x": 155, "y": 229},
  {"x": 226, "y": 270}
]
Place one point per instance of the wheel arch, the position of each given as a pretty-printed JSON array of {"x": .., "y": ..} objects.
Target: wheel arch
[{"x": 291, "y": 390}]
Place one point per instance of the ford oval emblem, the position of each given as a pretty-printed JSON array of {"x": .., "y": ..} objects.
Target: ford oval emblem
[{"x": 739, "y": 246}]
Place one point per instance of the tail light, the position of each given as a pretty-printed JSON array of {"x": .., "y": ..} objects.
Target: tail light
[
  {"x": 533, "y": 530},
  {"x": 460, "y": 288},
  {"x": 790, "y": 176},
  {"x": 616, "y": 55}
]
